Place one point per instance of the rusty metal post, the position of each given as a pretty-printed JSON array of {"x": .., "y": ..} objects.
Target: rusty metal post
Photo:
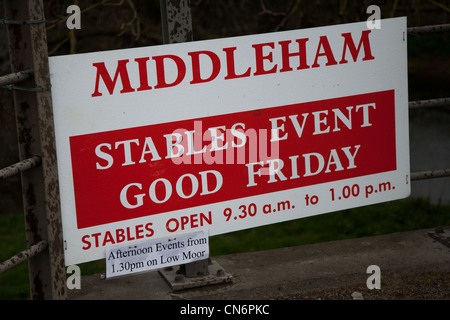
[
  {"x": 177, "y": 27},
  {"x": 34, "y": 116},
  {"x": 176, "y": 21}
]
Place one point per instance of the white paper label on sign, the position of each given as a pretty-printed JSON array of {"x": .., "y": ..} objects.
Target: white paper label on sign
[{"x": 156, "y": 254}]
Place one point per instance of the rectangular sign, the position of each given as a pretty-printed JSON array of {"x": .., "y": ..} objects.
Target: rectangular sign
[
  {"x": 156, "y": 253},
  {"x": 228, "y": 134}
]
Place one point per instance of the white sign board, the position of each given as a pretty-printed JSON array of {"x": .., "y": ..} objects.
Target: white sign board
[{"x": 228, "y": 134}]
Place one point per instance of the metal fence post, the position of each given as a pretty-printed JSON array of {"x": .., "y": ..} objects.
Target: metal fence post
[
  {"x": 34, "y": 116},
  {"x": 177, "y": 27},
  {"x": 176, "y": 21}
]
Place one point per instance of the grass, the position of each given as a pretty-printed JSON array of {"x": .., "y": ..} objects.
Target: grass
[
  {"x": 384, "y": 218},
  {"x": 14, "y": 282}
]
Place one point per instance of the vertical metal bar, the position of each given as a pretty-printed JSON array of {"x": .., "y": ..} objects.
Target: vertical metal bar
[
  {"x": 34, "y": 117},
  {"x": 176, "y": 24},
  {"x": 176, "y": 21}
]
